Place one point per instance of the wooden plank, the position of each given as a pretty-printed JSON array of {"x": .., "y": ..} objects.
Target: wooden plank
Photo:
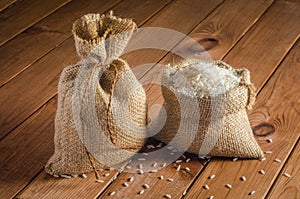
[
  {"x": 30, "y": 45},
  {"x": 217, "y": 34},
  {"x": 175, "y": 186},
  {"x": 264, "y": 41},
  {"x": 19, "y": 167},
  {"x": 24, "y": 152},
  {"x": 5, "y": 3},
  {"x": 273, "y": 112},
  {"x": 24, "y": 14},
  {"x": 48, "y": 69},
  {"x": 45, "y": 72},
  {"x": 31, "y": 189},
  {"x": 285, "y": 186}
]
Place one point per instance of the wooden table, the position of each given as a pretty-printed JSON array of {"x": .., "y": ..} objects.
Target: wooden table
[{"x": 36, "y": 44}]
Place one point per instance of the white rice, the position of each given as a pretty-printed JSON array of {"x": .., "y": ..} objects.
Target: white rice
[{"x": 204, "y": 79}]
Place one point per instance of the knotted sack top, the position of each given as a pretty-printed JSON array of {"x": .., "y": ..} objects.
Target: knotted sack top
[{"x": 100, "y": 41}]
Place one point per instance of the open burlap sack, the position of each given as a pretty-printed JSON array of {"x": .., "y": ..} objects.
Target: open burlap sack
[
  {"x": 214, "y": 126},
  {"x": 101, "y": 116}
]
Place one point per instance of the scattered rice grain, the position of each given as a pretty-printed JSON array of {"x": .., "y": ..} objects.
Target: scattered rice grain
[
  {"x": 125, "y": 184},
  {"x": 170, "y": 179},
  {"x": 140, "y": 166},
  {"x": 164, "y": 165},
  {"x": 83, "y": 175},
  {"x": 140, "y": 171},
  {"x": 234, "y": 159},
  {"x": 252, "y": 192},
  {"x": 150, "y": 146},
  {"x": 183, "y": 156},
  {"x": 167, "y": 196},
  {"x": 128, "y": 167},
  {"x": 229, "y": 186},
  {"x": 141, "y": 159},
  {"x": 262, "y": 172},
  {"x": 287, "y": 175},
  {"x": 269, "y": 140},
  {"x": 212, "y": 176},
  {"x": 184, "y": 193},
  {"x": 100, "y": 181},
  {"x": 243, "y": 178},
  {"x": 210, "y": 197},
  {"x": 146, "y": 154},
  {"x": 153, "y": 171},
  {"x": 171, "y": 153},
  {"x": 161, "y": 177},
  {"x": 141, "y": 192},
  {"x": 131, "y": 179},
  {"x": 177, "y": 161},
  {"x": 154, "y": 164},
  {"x": 277, "y": 160},
  {"x": 187, "y": 160},
  {"x": 65, "y": 176},
  {"x": 146, "y": 186},
  {"x": 56, "y": 176},
  {"x": 106, "y": 174},
  {"x": 178, "y": 168},
  {"x": 170, "y": 147},
  {"x": 112, "y": 193},
  {"x": 206, "y": 187},
  {"x": 187, "y": 168},
  {"x": 263, "y": 159},
  {"x": 268, "y": 152}
]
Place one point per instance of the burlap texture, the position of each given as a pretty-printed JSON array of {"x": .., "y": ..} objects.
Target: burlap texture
[
  {"x": 98, "y": 83},
  {"x": 222, "y": 120}
]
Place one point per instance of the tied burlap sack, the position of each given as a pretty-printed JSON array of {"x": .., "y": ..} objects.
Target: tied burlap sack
[
  {"x": 214, "y": 126},
  {"x": 101, "y": 116}
]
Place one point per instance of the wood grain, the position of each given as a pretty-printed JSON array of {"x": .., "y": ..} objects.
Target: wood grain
[
  {"x": 46, "y": 72},
  {"x": 31, "y": 189},
  {"x": 276, "y": 107},
  {"x": 24, "y": 14},
  {"x": 266, "y": 47},
  {"x": 157, "y": 187},
  {"x": 17, "y": 167},
  {"x": 221, "y": 26},
  {"x": 5, "y": 3},
  {"x": 26, "y": 150},
  {"x": 32, "y": 44},
  {"x": 288, "y": 187}
]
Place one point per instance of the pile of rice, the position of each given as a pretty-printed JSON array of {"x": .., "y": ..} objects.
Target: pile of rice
[{"x": 204, "y": 79}]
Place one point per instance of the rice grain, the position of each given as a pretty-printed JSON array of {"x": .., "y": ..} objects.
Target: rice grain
[
  {"x": 112, "y": 193},
  {"x": 212, "y": 176},
  {"x": 252, "y": 192},
  {"x": 262, "y": 172},
  {"x": 277, "y": 160},
  {"x": 206, "y": 187},
  {"x": 146, "y": 186},
  {"x": 229, "y": 186},
  {"x": 243, "y": 178},
  {"x": 170, "y": 179}
]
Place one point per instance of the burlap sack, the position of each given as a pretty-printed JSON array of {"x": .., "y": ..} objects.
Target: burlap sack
[
  {"x": 101, "y": 115},
  {"x": 214, "y": 126}
]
